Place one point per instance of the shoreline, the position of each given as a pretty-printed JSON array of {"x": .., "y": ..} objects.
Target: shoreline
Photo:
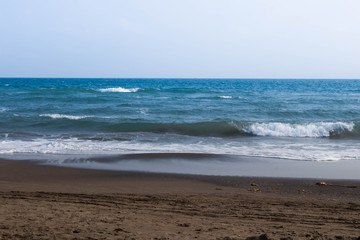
[
  {"x": 25, "y": 175},
  {"x": 203, "y": 164},
  {"x": 40, "y": 201}
]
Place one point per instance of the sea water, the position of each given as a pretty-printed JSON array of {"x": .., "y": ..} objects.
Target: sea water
[{"x": 180, "y": 125}]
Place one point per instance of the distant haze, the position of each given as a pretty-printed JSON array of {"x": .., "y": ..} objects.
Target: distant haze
[{"x": 182, "y": 38}]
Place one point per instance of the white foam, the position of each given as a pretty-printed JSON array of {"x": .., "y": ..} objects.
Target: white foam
[
  {"x": 144, "y": 111},
  {"x": 226, "y": 97},
  {"x": 119, "y": 90},
  {"x": 316, "y": 149},
  {"x": 3, "y": 109},
  {"x": 320, "y": 129},
  {"x": 58, "y": 116}
]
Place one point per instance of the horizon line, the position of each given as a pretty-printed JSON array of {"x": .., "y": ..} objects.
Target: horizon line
[{"x": 230, "y": 78}]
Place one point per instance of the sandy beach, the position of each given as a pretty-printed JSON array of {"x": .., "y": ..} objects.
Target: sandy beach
[
  {"x": 162, "y": 120},
  {"x": 45, "y": 202}
]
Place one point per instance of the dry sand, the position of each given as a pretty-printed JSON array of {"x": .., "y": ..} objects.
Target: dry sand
[{"x": 44, "y": 202}]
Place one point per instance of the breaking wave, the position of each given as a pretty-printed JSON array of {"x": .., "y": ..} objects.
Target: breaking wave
[
  {"x": 245, "y": 129},
  {"x": 311, "y": 130}
]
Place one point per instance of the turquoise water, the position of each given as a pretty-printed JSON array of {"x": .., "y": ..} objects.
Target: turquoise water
[{"x": 302, "y": 120}]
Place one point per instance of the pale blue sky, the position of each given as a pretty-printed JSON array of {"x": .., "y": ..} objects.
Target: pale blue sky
[{"x": 182, "y": 38}]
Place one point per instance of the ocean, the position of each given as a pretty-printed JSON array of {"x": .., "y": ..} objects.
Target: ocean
[{"x": 200, "y": 126}]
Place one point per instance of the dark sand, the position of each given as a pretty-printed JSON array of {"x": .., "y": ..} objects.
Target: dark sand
[{"x": 44, "y": 202}]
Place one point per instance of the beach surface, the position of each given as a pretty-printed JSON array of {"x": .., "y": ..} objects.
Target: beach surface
[{"x": 47, "y": 202}]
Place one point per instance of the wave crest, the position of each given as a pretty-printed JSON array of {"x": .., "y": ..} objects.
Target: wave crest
[
  {"x": 320, "y": 129},
  {"x": 119, "y": 90},
  {"x": 59, "y": 116}
]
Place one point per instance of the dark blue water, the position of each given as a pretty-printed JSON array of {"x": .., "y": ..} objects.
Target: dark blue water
[{"x": 288, "y": 119}]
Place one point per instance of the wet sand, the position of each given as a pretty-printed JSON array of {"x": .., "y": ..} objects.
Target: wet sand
[{"x": 45, "y": 202}]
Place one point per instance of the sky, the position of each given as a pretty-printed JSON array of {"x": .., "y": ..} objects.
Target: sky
[{"x": 180, "y": 38}]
